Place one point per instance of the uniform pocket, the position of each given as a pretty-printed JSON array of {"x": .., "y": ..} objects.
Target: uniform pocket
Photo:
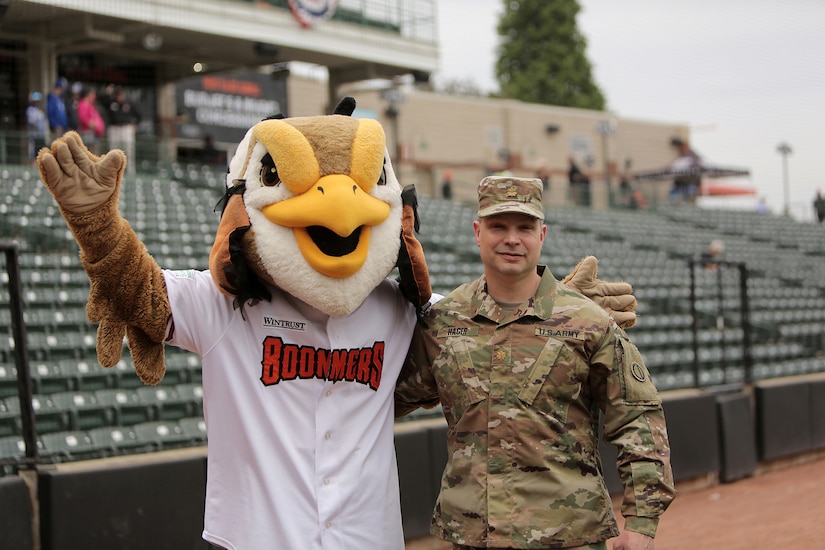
[
  {"x": 462, "y": 382},
  {"x": 541, "y": 369}
]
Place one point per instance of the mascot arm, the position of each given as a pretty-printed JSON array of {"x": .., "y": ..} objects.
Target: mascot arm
[
  {"x": 616, "y": 298},
  {"x": 127, "y": 293},
  {"x": 414, "y": 277}
]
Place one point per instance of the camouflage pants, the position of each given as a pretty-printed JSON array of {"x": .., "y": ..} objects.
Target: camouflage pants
[{"x": 596, "y": 546}]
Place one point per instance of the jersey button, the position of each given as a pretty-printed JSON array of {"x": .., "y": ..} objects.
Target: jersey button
[{"x": 327, "y": 435}]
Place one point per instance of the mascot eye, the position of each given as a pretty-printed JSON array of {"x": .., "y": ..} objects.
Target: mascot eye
[
  {"x": 269, "y": 172},
  {"x": 382, "y": 179}
]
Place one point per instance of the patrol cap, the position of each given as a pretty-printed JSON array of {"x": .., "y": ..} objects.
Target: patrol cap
[{"x": 502, "y": 194}]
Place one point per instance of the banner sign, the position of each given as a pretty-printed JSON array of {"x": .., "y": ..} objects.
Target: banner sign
[{"x": 225, "y": 106}]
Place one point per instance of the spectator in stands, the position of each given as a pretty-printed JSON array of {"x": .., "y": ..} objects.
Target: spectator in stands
[
  {"x": 35, "y": 124},
  {"x": 56, "y": 108},
  {"x": 90, "y": 124},
  {"x": 71, "y": 105},
  {"x": 123, "y": 118},
  {"x": 447, "y": 186},
  {"x": 579, "y": 184},
  {"x": 210, "y": 154},
  {"x": 819, "y": 206},
  {"x": 710, "y": 257},
  {"x": 522, "y": 366}
]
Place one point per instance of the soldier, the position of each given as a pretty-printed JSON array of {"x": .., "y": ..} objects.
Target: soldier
[{"x": 522, "y": 365}]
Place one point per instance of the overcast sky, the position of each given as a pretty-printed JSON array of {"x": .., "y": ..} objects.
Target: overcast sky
[{"x": 746, "y": 75}]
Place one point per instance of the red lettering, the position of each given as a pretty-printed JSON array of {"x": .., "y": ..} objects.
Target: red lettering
[
  {"x": 270, "y": 373},
  {"x": 231, "y": 86},
  {"x": 352, "y": 364},
  {"x": 364, "y": 360},
  {"x": 377, "y": 365},
  {"x": 338, "y": 363},
  {"x": 289, "y": 362},
  {"x": 322, "y": 364},
  {"x": 306, "y": 362}
]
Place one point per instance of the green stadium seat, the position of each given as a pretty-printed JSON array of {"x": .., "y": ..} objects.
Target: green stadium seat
[
  {"x": 90, "y": 376},
  {"x": 8, "y": 380},
  {"x": 118, "y": 440},
  {"x": 69, "y": 445},
  {"x": 162, "y": 434},
  {"x": 194, "y": 428},
  {"x": 9, "y": 421},
  {"x": 47, "y": 416},
  {"x": 167, "y": 403},
  {"x": 12, "y": 446},
  {"x": 127, "y": 406},
  {"x": 85, "y": 410}
]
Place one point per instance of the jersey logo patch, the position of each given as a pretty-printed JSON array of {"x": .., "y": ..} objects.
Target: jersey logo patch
[
  {"x": 184, "y": 274},
  {"x": 282, "y": 361},
  {"x": 271, "y": 322}
]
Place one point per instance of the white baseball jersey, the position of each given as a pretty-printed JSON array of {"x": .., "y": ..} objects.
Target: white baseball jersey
[{"x": 299, "y": 414}]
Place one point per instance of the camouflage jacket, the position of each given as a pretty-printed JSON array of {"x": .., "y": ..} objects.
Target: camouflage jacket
[{"x": 521, "y": 392}]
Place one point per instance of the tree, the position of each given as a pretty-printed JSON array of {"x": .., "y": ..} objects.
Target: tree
[{"x": 542, "y": 55}]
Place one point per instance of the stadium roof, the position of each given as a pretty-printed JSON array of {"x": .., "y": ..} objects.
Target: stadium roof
[{"x": 364, "y": 39}]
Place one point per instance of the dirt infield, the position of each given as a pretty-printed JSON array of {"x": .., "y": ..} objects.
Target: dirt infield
[{"x": 780, "y": 508}]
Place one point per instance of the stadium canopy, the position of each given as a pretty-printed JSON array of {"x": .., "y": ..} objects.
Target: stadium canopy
[
  {"x": 690, "y": 168},
  {"x": 688, "y": 165}
]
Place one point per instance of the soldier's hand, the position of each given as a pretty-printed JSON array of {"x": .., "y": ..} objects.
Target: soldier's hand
[{"x": 631, "y": 540}]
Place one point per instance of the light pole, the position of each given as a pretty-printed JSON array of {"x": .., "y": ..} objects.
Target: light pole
[{"x": 784, "y": 149}]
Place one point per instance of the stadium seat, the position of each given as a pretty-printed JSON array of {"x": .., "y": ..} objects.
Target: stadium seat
[
  {"x": 90, "y": 376},
  {"x": 118, "y": 440},
  {"x": 9, "y": 421},
  {"x": 69, "y": 445},
  {"x": 47, "y": 416},
  {"x": 85, "y": 410},
  {"x": 12, "y": 446},
  {"x": 162, "y": 434},
  {"x": 8, "y": 380},
  {"x": 127, "y": 406},
  {"x": 48, "y": 377},
  {"x": 194, "y": 428},
  {"x": 192, "y": 394},
  {"x": 165, "y": 400}
]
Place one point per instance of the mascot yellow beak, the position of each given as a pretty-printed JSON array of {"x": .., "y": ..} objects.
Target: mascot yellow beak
[
  {"x": 330, "y": 167},
  {"x": 331, "y": 223}
]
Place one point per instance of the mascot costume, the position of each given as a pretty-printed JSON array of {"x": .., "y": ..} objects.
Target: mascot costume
[{"x": 300, "y": 332}]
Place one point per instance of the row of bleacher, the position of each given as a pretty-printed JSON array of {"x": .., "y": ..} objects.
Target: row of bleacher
[{"x": 80, "y": 404}]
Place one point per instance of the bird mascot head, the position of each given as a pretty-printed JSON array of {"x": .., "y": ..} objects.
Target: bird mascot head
[{"x": 313, "y": 207}]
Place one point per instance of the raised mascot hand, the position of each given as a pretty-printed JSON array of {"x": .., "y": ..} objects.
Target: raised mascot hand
[
  {"x": 127, "y": 294},
  {"x": 79, "y": 181},
  {"x": 614, "y": 297}
]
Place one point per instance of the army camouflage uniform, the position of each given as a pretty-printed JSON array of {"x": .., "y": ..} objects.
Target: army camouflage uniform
[{"x": 521, "y": 392}]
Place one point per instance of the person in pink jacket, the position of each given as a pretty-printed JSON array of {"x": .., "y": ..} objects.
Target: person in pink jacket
[{"x": 90, "y": 124}]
